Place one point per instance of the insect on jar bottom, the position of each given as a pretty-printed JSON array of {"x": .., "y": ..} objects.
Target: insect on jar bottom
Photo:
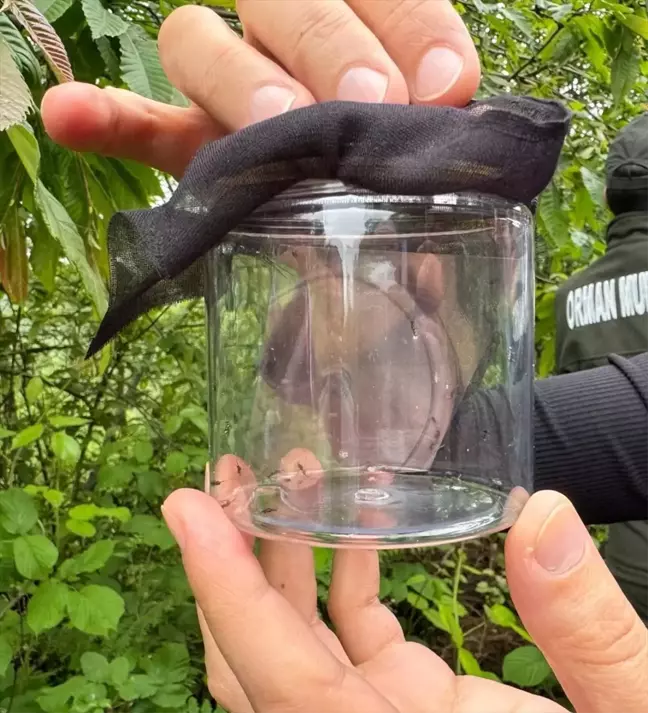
[{"x": 370, "y": 367}]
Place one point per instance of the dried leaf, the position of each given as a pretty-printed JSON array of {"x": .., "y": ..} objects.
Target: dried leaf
[
  {"x": 14, "y": 274},
  {"x": 44, "y": 35}
]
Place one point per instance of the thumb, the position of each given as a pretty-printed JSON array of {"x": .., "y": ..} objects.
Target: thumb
[{"x": 574, "y": 609}]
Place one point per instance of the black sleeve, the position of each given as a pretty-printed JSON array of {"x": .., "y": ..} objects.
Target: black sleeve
[{"x": 591, "y": 439}]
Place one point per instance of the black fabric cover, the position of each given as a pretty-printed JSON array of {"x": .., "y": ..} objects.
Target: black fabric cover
[{"x": 506, "y": 146}]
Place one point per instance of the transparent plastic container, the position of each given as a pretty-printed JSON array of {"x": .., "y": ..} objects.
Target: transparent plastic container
[{"x": 371, "y": 366}]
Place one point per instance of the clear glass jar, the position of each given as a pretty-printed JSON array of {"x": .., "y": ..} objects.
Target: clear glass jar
[{"x": 371, "y": 366}]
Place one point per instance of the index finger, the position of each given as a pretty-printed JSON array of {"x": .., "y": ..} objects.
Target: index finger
[{"x": 273, "y": 652}]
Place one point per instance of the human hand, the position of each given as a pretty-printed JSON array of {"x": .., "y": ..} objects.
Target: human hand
[
  {"x": 293, "y": 54},
  {"x": 267, "y": 650}
]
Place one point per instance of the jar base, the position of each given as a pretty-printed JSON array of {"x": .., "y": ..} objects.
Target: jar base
[{"x": 374, "y": 509}]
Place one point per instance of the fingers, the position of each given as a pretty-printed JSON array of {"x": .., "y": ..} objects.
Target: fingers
[
  {"x": 364, "y": 625},
  {"x": 577, "y": 614},
  {"x": 327, "y": 48},
  {"x": 247, "y": 618},
  {"x": 230, "y": 79},
  {"x": 430, "y": 44},
  {"x": 117, "y": 123}
]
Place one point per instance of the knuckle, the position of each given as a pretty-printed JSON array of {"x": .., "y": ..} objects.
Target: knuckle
[
  {"x": 618, "y": 640},
  {"x": 320, "y": 25},
  {"x": 418, "y": 22}
]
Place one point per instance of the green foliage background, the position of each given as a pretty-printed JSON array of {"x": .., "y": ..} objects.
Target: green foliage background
[{"x": 95, "y": 613}]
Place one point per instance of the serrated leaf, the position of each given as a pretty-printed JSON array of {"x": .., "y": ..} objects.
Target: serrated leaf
[
  {"x": 594, "y": 185},
  {"x": 53, "y": 9},
  {"x": 169, "y": 664},
  {"x": 67, "y": 421},
  {"x": 114, "y": 477},
  {"x": 44, "y": 35},
  {"x": 82, "y": 528},
  {"x": 21, "y": 51},
  {"x": 15, "y": 97},
  {"x": 14, "y": 261},
  {"x": 110, "y": 58},
  {"x": 173, "y": 695},
  {"x": 34, "y": 556},
  {"x": 176, "y": 462},
  {"x": 143, "y": 451},
  {"x": 141, "y": 68},
  {"x": 6, "y": 655},
  {"x": 65, "y": 448},
  {"x": 18, "y": 513},
  {"x": 95, "y": 667},
  {"x": 138, "y": 686},
  {"x": 626, "y": 67},
  {"x": 27, "y": 435},
  {"x": 47, "y": 607},
  {"x": 61, "y": 227},
  {"x": 525, "y": 666},
  {"x": 152, "y": 531},
  {"x": 95, "y": 609},
  {"x": 552, "y": 216},
  {"x": 102, "y": 22}
]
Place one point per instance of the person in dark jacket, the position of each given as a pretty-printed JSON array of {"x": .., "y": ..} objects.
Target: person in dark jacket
[{"x": 604, "y": 308}]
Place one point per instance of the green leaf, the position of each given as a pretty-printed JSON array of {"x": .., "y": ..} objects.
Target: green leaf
[
  {"x": 594, "y": 185},
  {"x": 34, "y": 389},
  {"x": 20, "y": 50},
  {"x": 47, "y": 607},
  {"x": 563, "y": 46},
  {"x": 143, "y": 452},
  {"x": 469, "y": 663},
  {"x": 65, "y": 448},
  {"x": 92, "y": 560},
  {"x": 520, "y": 20},
  {"x": 84, "y": 512},
  {"x": 63, "y": 229},
  {"x": 6, "y": 655},
  {"x": 174, "y": 695},
  {"x": 26, "y": 146},
  {"x": 109, "y": 57},
  {"x": 18, "y": 513},
  {"x": 113, "y": 477},
  {"x": 525, "y": 666},
  {"x": 639, "y": 25},
  {"x": 27, "y": 435},
  {"x": 67, "y": 421},
  {"x": 54, "y": 497},
  {"x": 81, "y": 527},
  {"x": 626, "y": 67},
  {"x": 95, "y": 609},
  {"x": 169, "y": 664},
  {"x": 120, "y": 668},
  {"x": 172, "y": 425},
  {"x": 15, "y": 97},
  {"x": 176, "y": 462},
  {"x": 6, "y": 433},
  {"x": 151, "y": 530},
  {"x": 14, "y": 270},
  {"x": 501, "y": 615},
  {"x": 102, "y": 22},
  {"x": 53, "y": 9},
  {"x": 552, "y": 216},
  {"x": 44, "y": 35},
  {"x": 141, "y": 68},
  {"x": 95, "y": 667},
  {"x": 45, "y": 255},
  {"x": 138, "y": 686},
  {"x": 35, "y": 556},
  {"x": 54, "y": 700}
]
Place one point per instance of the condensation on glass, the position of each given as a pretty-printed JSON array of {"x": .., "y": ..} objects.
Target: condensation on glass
[{"x": 370, "y": 367}]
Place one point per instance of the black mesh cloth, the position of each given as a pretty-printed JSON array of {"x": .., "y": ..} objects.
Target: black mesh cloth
[{"x": 505, "y": 146}]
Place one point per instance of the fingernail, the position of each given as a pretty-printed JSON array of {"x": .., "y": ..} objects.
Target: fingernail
[
  {"x": 562, "y": 540},
  {"x": 361, "y": 84},
  {"x": 269, "y": 101},
  {"x": 176, "y": 526},
  {"x": 438, "y": 72}
]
